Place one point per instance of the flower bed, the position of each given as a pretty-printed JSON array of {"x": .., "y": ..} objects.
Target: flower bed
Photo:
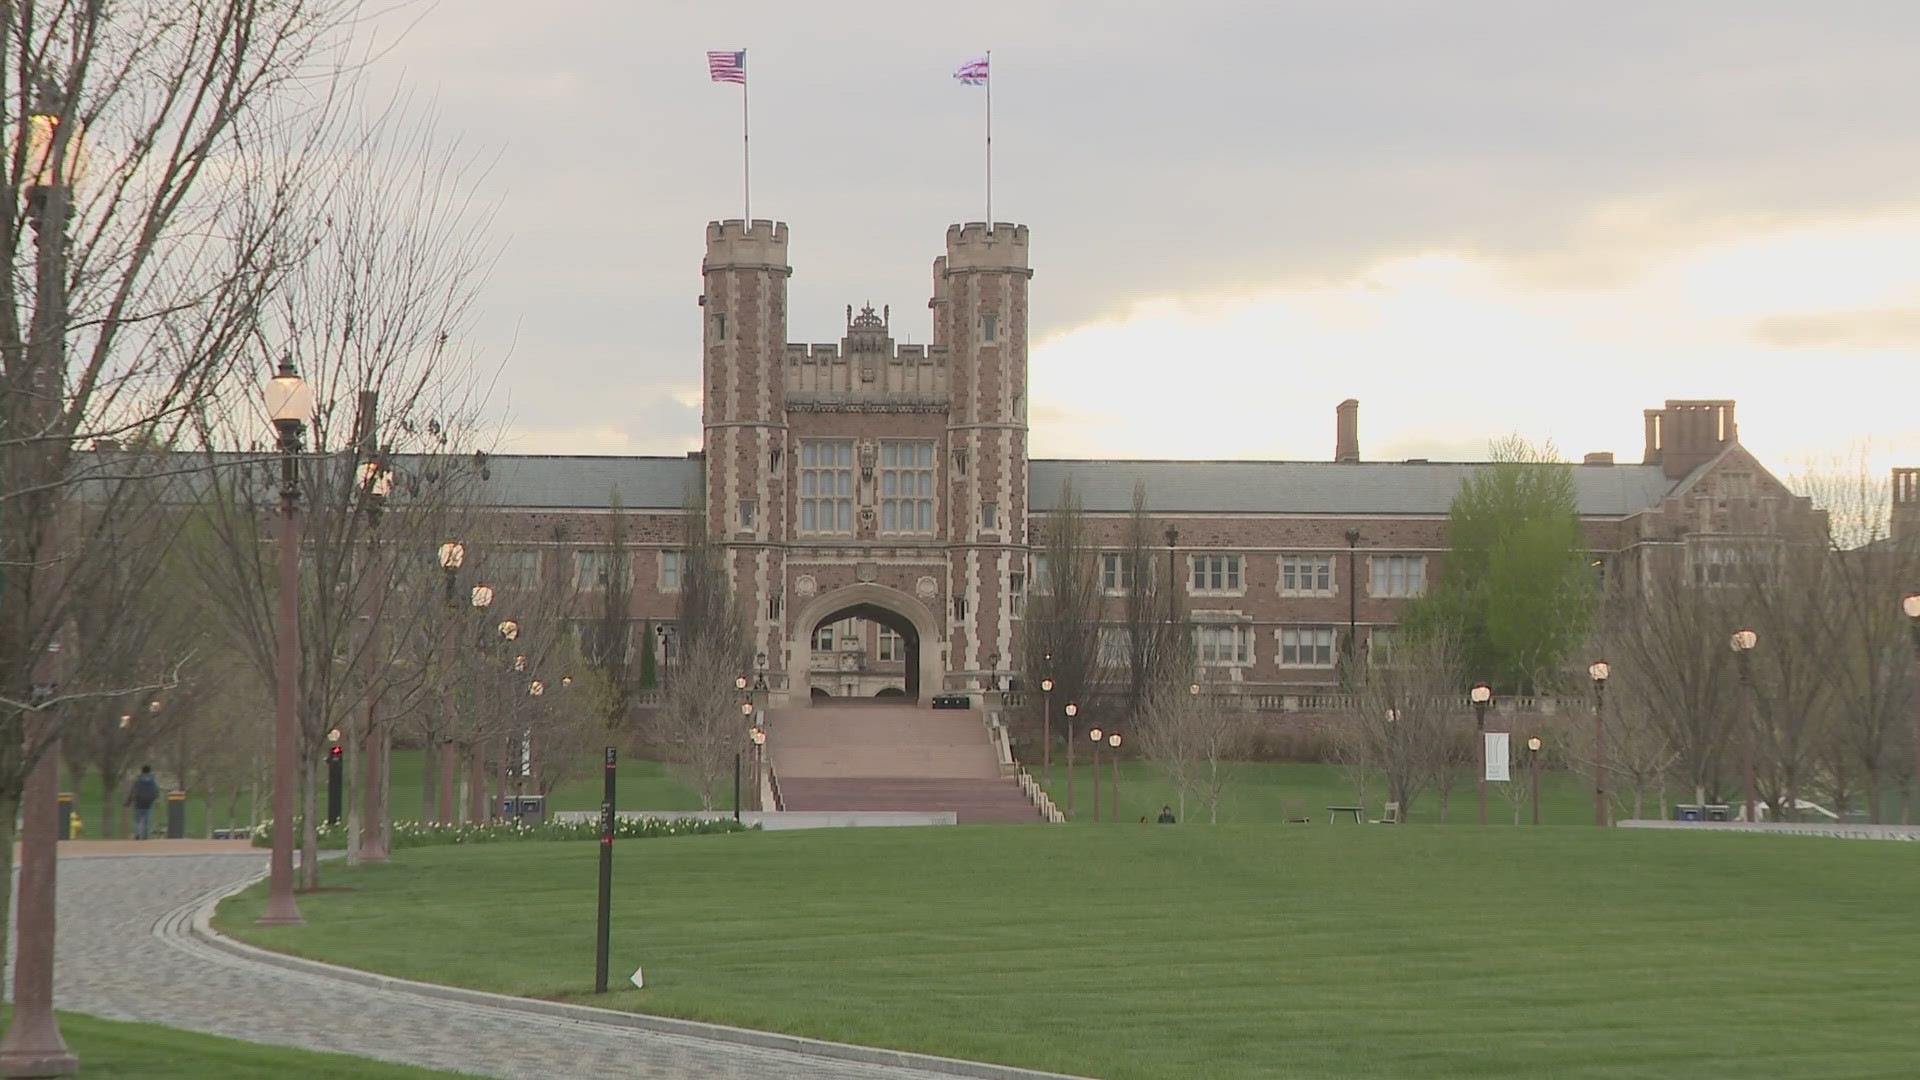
[{"x": 408, "y": 834}]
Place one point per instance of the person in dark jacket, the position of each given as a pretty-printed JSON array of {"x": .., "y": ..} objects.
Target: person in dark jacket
[
  {"x": 144, "y": 793},
  {"x": 1166, "y": 814}
]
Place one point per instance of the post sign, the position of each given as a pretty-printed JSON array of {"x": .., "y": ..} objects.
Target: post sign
[{"x": 1496, "y": 751}]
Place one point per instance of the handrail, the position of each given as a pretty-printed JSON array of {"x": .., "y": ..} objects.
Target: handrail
[{"x": 773, "y": 787}]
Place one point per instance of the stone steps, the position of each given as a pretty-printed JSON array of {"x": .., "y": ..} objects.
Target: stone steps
[
  {"x": 891, "y": 757},
  {"x": 971, "y": 801}
]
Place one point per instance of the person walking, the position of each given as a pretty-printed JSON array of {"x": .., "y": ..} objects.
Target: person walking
[
  {"x": 1166, "y": 814},
  {"x": 144, "y": 793}
]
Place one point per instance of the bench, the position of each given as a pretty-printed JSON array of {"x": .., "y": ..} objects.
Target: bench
[
  {"x": 1294, "y": 812},
  {"x": 1358, "y": 812}
]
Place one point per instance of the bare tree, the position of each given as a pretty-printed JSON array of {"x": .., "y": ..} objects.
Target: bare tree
[
  {"x": 1405, "y": 720},
  {"x": 699, "y": 708},
  {"x": 1194, "y": 737},
  {"x": 144, "y": 221},
  {"x": 1062, "y": 624},
  {"x": 372, "y": 319}
]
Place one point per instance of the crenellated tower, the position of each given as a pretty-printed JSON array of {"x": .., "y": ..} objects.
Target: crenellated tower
[
  {"x": 980, "y": 316},
  {"x": 744, "y": 414}
]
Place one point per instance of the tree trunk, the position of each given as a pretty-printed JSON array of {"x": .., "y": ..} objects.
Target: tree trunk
[
  {"x": 429, "y": 782},
  {"x": 109, "y": 806},
  {"x": 9, "y": 812}
]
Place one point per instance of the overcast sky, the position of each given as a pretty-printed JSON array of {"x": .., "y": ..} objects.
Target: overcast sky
[{"x": 1476, "y": 217}]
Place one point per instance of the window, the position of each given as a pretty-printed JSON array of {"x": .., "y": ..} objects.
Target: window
[
  {"x": 773, "y": 607},
  {"x": 1216, "y": 573},
  {"x": 960, "y": 462},
  {"x": 1224, "y": 645},
  {"x": 1116, "y": 649},
  {"x": 1042, "y": 583},
  {"x": 960, "y": 608},
  {"x": 749, "y": 513},
  {"x": 1382, "y": 643},
  {"x": 1396, "y": 575},
  {"x": 517, "y": 567},
  {"x": 1731, "y": 563},
  {"x": 826, "y": 486},
  {"x": 906, "y": 487},
  {"x": 669, "y": 571},
  {"x": 824, "y": 635},
  {"x": 893, "y": 647},
  {"x": 989, "y": 328},
  {"x": 774, "y": 458},
  {"x": 990, "y": 515},
  {"x": 594, "y": 568},
  {"x": 600, "y": 642},
  {"x": 1017, "y": 594},
  {"x": 1306, "y": 575},
  {"x": 1306, "y": 646},
  {"x": 1116, "y": 572}
]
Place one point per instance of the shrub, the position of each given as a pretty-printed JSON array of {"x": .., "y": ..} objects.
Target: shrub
[{"x": 407, "y": 834}]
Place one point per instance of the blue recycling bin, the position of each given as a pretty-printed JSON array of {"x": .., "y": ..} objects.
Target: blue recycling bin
[{"x": 1690, "y": 812}]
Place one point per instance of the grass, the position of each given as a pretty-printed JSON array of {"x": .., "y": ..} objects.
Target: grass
[
  {"x": 1258, "y": 792},
  {"x": 1230, "y": 952},
  {"x": 152, "y": 1052}
]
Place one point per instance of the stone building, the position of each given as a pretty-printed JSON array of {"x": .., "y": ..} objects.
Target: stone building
[{"x": 877, "y": 504}]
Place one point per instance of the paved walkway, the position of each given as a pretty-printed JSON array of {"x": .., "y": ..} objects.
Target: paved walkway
[{"x": 127, "y": 950}]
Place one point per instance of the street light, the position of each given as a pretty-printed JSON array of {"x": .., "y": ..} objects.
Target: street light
[
  {"x": 509, "y": 630},
  {"x": 1072, "y": 711},
  {"x": 1113, "y": 741},
  {"x": 1742, "y": 643},
  {"x": 1046, "y": 732},
  {"x": 993, "y": 671},
  {"x": 1910, "y": 606},
  {"x": 1533, "y": 773},
  {"x": 1482, "y": 696},
  {"x": 1598, "y": 671},
  {"x": 1098, "y": 737},
  {"x": 289, "y": 405},
  {"x": 1353, "y": 591},
  {"x": 536, "y": 688}
]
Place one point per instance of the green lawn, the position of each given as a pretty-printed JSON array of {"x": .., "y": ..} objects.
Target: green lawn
[
  {"x": 1238, "y": 951},
  {"x": 1258, "y": 792},
  {"x": 152, "y": 1052}
]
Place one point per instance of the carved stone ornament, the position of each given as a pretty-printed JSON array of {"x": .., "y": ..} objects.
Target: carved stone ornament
[
  {"x": 926, "y": 588},
  {"x": 804, "y": 585},
  {"x": 867, "y": 571}
]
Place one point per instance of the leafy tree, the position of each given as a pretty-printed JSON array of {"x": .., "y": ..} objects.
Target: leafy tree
[{"x": 1516, "y": 591}]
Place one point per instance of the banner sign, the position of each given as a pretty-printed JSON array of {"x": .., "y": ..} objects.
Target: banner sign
[{"x": 1497, "y": 756}]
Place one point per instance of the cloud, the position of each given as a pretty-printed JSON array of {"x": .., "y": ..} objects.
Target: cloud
[{"x": 1850, "y": 331}]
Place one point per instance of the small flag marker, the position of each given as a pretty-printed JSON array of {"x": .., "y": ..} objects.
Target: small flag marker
[{"x": 638, "y": 982}]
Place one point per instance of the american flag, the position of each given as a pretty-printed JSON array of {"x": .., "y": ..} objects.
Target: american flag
[
  {"x": 730, "y": 66},
  {"x": 973, "y": 72}
]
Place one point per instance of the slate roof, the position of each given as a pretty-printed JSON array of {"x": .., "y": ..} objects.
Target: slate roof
[
  {"x": 1315, "y": 487},
  {"x": 559, "y": 481}
]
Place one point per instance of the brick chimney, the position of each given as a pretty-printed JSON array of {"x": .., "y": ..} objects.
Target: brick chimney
[
  {"x": 1346, "y": 430},
  {"x": 1904, "y": 524},
  {"x": 1599, "y": 457},
  {"x": 1687, "y": 434}
]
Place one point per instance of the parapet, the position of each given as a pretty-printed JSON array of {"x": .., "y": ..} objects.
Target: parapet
[
  {"x": 756, "y": 244},
  {"x": 975, "y": 246}
]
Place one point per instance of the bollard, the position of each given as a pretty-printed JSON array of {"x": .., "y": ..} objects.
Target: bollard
[
  {"x": 63, "y": 821},
  {"x": 176, "y": 815}
]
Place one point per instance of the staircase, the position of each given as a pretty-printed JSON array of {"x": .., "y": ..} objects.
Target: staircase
[{"x": 880, "y": 756}]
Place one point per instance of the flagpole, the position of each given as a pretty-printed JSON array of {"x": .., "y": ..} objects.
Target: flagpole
[
  {"x": 746, "y": 150},
  {"x": 989, "y": 140}
]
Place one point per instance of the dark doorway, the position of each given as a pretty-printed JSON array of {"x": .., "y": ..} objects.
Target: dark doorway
[{"x": 892, "y": 620}]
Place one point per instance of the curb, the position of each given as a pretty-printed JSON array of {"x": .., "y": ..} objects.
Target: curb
[{"x": 200, "y": 927}]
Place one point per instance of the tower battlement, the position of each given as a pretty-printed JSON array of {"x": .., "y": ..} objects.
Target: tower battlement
[
  {"x": 974, "y": 246},
  {"x": 758, "y": 243}
]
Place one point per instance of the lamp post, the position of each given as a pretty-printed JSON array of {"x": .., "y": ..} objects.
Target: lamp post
[
  {"x": 1598, "y": 671},
  {"x": 1072, "y": 711},
  {"x": 54, "y": 160},
  {"x": 1098, "y": 737},
  {"x": 1533, "y": 774},
  {"x": 1046, "y": 732},
  {"x": 289, "y": 404},
  {"x": 1482, "y": 696},
  {"x": 993, "y": 671},
  {"x": 452, "y": 555},
  {"x": 1173, "y": 589},
  {"x": 746, "y": 717},
  {"x": 1910, "y": 605},
  {"x": 759, "y": 736},
  {"x": 1113, "y": 743},
  {"x": 760, "y": 685},
  {"x": 1742, "y": 643},
  {"x": 1353, "y": 591}
]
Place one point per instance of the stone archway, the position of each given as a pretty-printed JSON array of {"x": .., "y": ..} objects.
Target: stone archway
[{"x": 926, "y": 648}]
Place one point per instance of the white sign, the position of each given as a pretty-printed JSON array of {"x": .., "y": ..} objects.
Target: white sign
[
  {"x": 638, "y": 982},
  {"x": 1497, "y": 756}
]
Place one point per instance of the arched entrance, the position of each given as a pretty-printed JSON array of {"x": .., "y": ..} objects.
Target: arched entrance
[{"x": 890, "y": 608}]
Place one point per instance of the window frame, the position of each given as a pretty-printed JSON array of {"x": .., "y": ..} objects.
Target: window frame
[
  {"x": 1295, "y": 647},
  {"x": 1229, "y": 569},
  {"x": 921, "y": 474},
  {"x": 1239, "y": 644},
  {"x": 834, "y": 499},
  {"x": 1321, "y": 567},
  {"x": 1410, "y": 589}
]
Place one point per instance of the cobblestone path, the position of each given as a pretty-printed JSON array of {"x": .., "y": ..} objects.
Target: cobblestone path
[{"x": 127, "y": 952}]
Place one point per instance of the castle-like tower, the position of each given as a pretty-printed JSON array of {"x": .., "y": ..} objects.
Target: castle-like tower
[{"x": 868, "y": 479}]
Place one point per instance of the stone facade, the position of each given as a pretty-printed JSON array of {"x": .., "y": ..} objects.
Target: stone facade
[{"x": 883, "y": 489}]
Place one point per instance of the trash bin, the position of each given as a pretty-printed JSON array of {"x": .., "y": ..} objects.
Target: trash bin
[
  {"x": 533, "y": 809},
  {"x": 176, "y": 815},
  {"x": 63, "y": 826},
  {"x": 1688, "y": 812},
  {"x": 1719, "y": 812},
  {"x": 510, "y": 808}
]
